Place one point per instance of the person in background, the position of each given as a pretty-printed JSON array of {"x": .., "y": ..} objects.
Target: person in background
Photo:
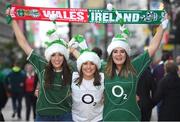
[
  {"x": 122, "y": 74},
  {"x": 178, "y": 64},
  {"x": 54, "y": 99},
  {"x": 98, "y": 51},
  {"x": 30, "y": 86},
  {"x": 178, "y": 60},
  {"x": 158, "y": 72},
  {"x": 168, "y": 92},
  {"x": 15, "y": 82},
  {"x": 3, "y": 96},
  {"x": 145, "y": 90}
]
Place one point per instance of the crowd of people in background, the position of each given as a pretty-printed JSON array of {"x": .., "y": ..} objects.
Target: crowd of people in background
[{"x": 19, "y": 83}]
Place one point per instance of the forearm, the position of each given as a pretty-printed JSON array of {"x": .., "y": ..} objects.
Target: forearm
[
  {"x": 156, "y": 41},
  {"x": 74, "y": 52},
  {"x": 21, "y": 38}
]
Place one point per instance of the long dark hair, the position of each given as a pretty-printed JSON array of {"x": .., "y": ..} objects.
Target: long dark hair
[
  {"x": 97, "y": 78},
  {"x": 127, "y": 68},
  {"x": 50, "y": 74}
]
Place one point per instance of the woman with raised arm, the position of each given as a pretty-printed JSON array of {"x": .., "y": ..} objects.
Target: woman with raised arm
[
  {"x": 54, "y": 102},
  {"x": 122, "y": 74},
  {"x": 87, "y": 83}
]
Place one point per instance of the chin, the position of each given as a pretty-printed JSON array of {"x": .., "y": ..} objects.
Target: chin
[
  {"x": 57, "y": 67},
  {"x": 119, "y": 63}
]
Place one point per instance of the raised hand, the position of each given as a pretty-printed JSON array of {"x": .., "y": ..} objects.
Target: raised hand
[
  {"x": 72, "y": 43},
  {"x": 165, "y": 22}
]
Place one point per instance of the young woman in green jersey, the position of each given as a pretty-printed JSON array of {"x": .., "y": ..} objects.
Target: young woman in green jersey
[
  {"x": 53, "y": 103},
  {"x": 121, "y": 76}
]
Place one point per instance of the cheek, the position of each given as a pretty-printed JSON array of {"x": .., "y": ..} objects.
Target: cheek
[
  {"x": 94, "y": 69},
  {"x": 83, "y": 68}
]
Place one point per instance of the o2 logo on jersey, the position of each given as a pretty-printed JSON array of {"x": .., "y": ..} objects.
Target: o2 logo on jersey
[
  {"x": 120, "y": 92},
  {"x": 88, "y": 99}
]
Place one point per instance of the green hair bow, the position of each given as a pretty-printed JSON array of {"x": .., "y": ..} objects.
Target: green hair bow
[
  {"x": 84, "y": 50},
  {"x": 50, "y": 32},
  {"x": 60, "y": 41},
  {"x": 119, "y": 36}
]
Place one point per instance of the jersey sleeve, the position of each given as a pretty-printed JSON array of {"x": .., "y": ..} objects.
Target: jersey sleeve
[
  {"x": 141, "y": 62},
  {"x": 37, "y": 61}
]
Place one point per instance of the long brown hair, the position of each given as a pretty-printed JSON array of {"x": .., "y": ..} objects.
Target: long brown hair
[
  {"x": 97, "y": 78},
  {"x": 50, "y": 74},
  {"x": 127, "y": 68}
]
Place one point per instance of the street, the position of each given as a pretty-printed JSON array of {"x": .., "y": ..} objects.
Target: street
[{"x": 8, "y": 111}]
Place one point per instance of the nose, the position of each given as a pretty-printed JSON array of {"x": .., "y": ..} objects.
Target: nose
[
  {"x": 55, "y": 57},
  {"x": 119, "y": 53},
  {"x": 88, "y": 65}
]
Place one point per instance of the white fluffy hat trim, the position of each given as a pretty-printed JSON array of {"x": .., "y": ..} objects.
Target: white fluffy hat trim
[
  {"x": 118, "y": 43},
  {"x": 54, "y": 48},
  {"x": 88, "y": 56}
]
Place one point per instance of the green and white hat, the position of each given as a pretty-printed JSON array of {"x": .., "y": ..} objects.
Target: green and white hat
[
  {"x": 55, "y": 43},
  {"x": 56, "y": 46},
  {"x": 85, "y": 53},
  {"x": 120, "y": 40},
  {"x": 88, "y": 56}
]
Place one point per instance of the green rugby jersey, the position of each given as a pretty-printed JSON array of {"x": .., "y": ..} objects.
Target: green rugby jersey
[
  {"x": 55, "y": 100},
  {"x": 120, "y": 93}
]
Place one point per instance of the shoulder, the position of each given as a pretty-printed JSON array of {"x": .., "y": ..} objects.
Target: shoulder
[
  {"x": 102, "y": 75},
  {"x": 75, "y": 75},
  {"x": 35, "y": 56}
]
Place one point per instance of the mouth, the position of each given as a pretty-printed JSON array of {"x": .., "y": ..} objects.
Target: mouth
[
  {"x": 118, "y": 59},
  {"x": 88, "y": 71}
]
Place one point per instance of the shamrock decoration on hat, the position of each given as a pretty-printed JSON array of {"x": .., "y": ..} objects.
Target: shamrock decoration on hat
[{"x": 55, "y": 43}]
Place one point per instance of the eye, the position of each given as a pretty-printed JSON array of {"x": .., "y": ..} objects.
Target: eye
[
  {"x": 122, "y": 51},
  {"x": 60, "y": 54},
  {"x": 56, "y": 54},
  {"x": 91, "y": 63},
  {"x": 53, "y": 54},
  {"x": 115, "y": 51},
  {"x": 85, "y": 63}
]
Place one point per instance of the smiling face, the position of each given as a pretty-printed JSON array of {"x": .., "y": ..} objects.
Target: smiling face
[
  {"x": 119, "y": 56},
  {"x": 57, "y": 60},
  {"x": 88, "y": 69}
]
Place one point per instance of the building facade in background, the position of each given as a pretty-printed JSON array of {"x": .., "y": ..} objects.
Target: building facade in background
[{"x": 9, "y": 51}]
